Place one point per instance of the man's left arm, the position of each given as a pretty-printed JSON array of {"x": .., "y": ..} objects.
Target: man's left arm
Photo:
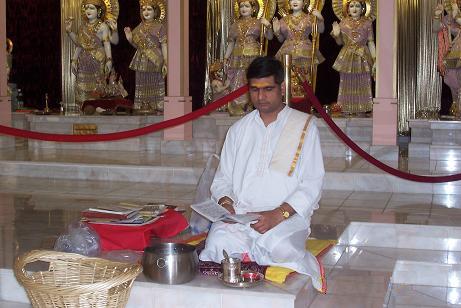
[{"x": 310, "y": 172}]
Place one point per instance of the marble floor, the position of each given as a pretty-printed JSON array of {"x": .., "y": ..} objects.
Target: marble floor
[{"x": 34, "y": 210}]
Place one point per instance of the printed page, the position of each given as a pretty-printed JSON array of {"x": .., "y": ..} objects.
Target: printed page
[
  {"x": 242, "y": 218},
  {"x": 214, "y": 212},
  {"x": 210, "y": 210}
]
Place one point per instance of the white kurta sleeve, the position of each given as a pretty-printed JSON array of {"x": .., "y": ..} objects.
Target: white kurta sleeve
[
  {"x": 222, "y": 182},
  {"x": 309, "y": 172}
]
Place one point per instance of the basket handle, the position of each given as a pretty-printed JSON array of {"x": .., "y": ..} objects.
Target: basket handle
[{"x": 52, "y": 256}]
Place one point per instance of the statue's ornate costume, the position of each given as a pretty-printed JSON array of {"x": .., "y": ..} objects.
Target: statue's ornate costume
[
  {"x": 245, "y": 33},
  {"x": 354, "y": 64},
  {"x": 294, "y": 32},
  {"x": 148, "y": 62},
  {"x": 449, "y": 62},
  {"x": 92, "y": 59},
  {"x": 90, "y": 78}
]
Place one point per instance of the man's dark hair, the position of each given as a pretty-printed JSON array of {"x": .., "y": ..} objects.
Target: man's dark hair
[{"x": 265, "y": 67}]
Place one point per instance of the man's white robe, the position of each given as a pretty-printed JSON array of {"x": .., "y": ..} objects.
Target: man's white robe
[{"x": 245, "y": 175}]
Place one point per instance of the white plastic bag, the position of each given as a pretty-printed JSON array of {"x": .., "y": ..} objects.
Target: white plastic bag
[
  {"x": 80, "y": 239},
  {"x": 198, "y": 223}
]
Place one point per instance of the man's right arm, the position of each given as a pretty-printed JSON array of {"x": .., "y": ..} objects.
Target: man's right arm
[{"x": 222, "y": 188}]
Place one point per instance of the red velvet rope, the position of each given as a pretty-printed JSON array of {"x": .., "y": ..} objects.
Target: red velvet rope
[
  {"x": 130, "y": 133},
  {"x": 404, "y": 175}
]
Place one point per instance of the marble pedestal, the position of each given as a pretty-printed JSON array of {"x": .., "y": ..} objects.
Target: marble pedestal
[
  {"x": 436, "y": 140},
  {"x": 208, "y": 134},
  {"x": 202, "y": 292}
]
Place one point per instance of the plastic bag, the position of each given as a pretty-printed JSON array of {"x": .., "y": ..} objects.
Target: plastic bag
[
  {"x": 198, "y": 223},
  {"x": 80, "y": 239},
  {"x": 126, "y": 256}
]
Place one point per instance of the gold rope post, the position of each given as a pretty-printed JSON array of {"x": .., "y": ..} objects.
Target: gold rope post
[
  {"x": 315, "y": 41},
  {"x": 287, "y": 65},
  {"x": 262, "y": 39}
]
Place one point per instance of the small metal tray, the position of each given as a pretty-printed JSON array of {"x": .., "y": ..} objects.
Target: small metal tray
[{"x": 250, "y": 279}]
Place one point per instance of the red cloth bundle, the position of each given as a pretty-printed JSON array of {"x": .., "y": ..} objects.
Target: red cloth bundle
[{"x": 117, "y": 237}]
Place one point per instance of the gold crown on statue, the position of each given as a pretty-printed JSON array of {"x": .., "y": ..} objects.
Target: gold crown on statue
[
  {"x": 160, "y": 4},
  {"x": 341, "y": 8},
  {"x": 148, "y": 2},
  {"x": 95, "y": 2},
  {"x": 110, "y": 8},
  {"x": 216, "y": 66}
]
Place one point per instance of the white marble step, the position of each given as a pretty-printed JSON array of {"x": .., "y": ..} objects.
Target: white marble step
[
  {"x": 102, "y": 172},
  {"x": 427, "y": 274},
  {"x": 402, "y": 236},
  {"x": 203, "y": 292},
  {"x": 5, "y": 304},
  {"x": 334, "y": 180}
]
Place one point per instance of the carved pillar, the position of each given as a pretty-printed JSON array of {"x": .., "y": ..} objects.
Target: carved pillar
[
  {"x": 385, "y": 109},
  {"x": 69, "y": 9},
  {"x": 178, "y": 102},
  {"x": 5, "y": 99}
]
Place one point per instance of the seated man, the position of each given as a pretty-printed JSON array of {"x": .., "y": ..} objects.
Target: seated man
[{"x": 271, "y": 164}]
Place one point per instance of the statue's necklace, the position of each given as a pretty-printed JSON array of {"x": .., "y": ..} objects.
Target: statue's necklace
[{"x": 94, "y": 27}]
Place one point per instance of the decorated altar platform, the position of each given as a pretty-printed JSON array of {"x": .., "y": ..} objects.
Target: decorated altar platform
[
  {"x": 208, "y": 133},
  {"x": 435, "y": 140},
  {"x": 202, "y": 292}
]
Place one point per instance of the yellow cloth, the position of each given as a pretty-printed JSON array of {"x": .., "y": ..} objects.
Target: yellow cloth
[
  {"x": 279, "y": 274},
  {"x": 195, "y": 240},
  {"x": 276, "y": 273}
]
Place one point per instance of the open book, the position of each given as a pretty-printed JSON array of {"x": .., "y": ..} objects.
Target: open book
[{"x": 214, "y": 212}]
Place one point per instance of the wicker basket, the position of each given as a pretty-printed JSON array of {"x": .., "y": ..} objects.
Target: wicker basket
[{"x": 74, "y": 280}]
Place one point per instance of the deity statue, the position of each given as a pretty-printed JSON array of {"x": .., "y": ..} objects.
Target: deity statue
[
  {"x": 356, "y": 60},
  {"x": 218, "y": 22},
  {"x": 243, "y": 47},
  {"x": 92, "y": 59},
  {"x": 150, "y": 60},
  {"x": 449, "y": 52},
  {"x": 219, "y": 84},
  {"x": 294, "y": 31},
  {"x": 9, "y": 61}
]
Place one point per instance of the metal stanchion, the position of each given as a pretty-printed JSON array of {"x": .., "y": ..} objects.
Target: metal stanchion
[{"x": 287, "y": 70}]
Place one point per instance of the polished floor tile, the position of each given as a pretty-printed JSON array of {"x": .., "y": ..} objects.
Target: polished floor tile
[{"x": 34, "y": 211}]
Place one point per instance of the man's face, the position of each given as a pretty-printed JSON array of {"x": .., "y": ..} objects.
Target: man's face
[{"x": 266, "y": 94}]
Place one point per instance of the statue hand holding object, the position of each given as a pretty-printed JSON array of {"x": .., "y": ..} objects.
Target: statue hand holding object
[
  {"x": 317, "y": 14},
  {"x": 112, "y": 25},
  {"x": 265, "y": 22},
  {"x": 68, "y": 24}
]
